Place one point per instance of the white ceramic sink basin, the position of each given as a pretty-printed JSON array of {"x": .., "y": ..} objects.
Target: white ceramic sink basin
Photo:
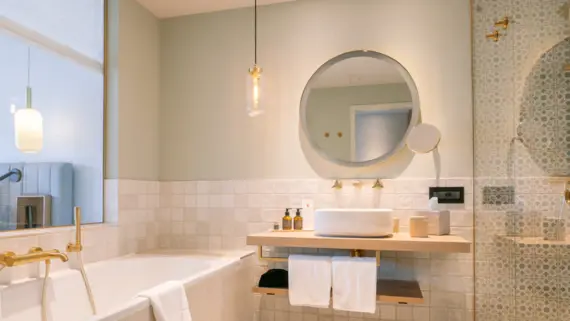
[{"x": 353, "y": 222}]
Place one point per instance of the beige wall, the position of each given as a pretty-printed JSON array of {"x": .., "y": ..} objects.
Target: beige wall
[
  {"x": 133, "y": 101},
  {"x": 205, "y": 133}
]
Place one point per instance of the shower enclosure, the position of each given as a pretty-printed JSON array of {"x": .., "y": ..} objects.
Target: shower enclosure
[{"x": 522, "y": 159}]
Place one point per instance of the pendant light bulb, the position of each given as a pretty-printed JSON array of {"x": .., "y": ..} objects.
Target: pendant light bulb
[
  {"x": 28, "y": 124},
  {"x": 254, "y": 91}
]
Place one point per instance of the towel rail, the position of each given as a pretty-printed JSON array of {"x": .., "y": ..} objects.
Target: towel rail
[{"x": 353, "y": 253}]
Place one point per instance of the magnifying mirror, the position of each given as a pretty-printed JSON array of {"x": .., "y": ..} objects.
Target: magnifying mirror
[{"x": 423, "y": 138}]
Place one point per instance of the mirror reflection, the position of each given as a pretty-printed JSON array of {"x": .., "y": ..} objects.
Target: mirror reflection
[
  {"x": 544, "y": 127},
  {"x": 358, "y": 107},
  {"x": 51, "y": 113}
]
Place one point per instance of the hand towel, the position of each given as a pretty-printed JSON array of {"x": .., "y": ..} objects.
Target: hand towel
[
  {"x": 169, "y": 302},
  {"x": 354, "y": 284},
  {"x": 310, "y": 281}
]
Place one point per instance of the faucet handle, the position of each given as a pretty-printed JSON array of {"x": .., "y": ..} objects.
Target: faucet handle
[{"x": 378, "y": 184}]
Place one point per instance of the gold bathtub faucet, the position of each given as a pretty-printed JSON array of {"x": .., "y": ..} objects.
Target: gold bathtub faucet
[
  {"x": 34, "y": 255},
  {"x": 77, "y": 246}
]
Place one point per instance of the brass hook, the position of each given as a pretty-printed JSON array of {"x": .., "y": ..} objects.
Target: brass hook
[
  {"x": 495, "y": 35},
  {"x": 504, "y": 23}
]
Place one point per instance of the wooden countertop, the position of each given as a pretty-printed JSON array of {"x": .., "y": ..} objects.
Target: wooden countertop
[{"x": 398, "y": 242}]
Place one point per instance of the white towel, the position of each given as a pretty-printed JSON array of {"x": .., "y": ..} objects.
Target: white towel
[
  {"x": 310, "y": 281},
  {"x": 169, "y": 302},
  {"x": 354, "y": 284}
]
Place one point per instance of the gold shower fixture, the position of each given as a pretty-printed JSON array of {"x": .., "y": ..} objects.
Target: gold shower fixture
[{"x": 503, "y": 23}]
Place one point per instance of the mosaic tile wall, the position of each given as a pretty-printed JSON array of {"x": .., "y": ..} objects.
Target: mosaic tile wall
[
  {"x": 521, "y": 102},
  {"x": 219, "y": 214}
]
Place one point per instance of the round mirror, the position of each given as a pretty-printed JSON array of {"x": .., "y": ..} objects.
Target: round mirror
[
  {"x": 423, "y": 138},
  {"x": 544, "y": 127},
  {"x": 358, "y": 108}
]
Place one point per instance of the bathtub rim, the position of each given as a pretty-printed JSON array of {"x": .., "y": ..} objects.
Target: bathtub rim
[{"x": 229, "y": 259}]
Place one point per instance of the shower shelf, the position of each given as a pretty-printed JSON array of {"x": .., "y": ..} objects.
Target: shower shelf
[
  {"x": 393, "y": 291},
  {"x": 528, "y": 240}
]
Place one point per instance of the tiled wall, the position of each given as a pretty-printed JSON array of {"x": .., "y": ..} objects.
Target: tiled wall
[
  {"x": 130, "y": 227},
  {"x": 219, "y": 215},
  {"x": 518, "y": 92}
]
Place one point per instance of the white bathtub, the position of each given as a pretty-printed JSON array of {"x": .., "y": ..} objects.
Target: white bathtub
[{"x": 217, "y": 286}]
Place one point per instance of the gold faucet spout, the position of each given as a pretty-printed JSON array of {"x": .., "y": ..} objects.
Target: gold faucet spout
[
  {"x": 59, "y": 256},
  {"x": 35, "y": 254}
]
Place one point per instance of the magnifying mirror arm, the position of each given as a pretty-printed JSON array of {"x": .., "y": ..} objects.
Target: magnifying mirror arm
[{"x": 437, "y": 165}]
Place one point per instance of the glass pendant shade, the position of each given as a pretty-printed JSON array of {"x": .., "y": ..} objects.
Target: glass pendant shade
[
  {"x": 254, "y": 108},
  {"x": 28, "y": 124}
]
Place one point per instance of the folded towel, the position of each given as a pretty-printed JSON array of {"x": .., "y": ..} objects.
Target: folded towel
[
  {"x": 354, "y": 284},
  {"x": 310, "y": 281},
  {"x": 169, "y": 302}
]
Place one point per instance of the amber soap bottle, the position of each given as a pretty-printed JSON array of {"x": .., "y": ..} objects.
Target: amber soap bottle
[
  {"x": 298, "y": 221},
  {"x": 287, "y": 221}
]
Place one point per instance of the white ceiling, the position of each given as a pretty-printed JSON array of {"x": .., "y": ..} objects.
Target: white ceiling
[
  {"x": 173, "y": 8},
  {"x": 359, "y": 71}
]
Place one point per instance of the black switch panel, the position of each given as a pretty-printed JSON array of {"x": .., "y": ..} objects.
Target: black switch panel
[{"x": 448, "y": 195}]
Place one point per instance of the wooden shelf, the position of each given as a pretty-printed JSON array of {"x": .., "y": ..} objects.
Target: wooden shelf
[
  {"x": 393, "y": 291},
  {"x": 397, "y": 291},
  {"x": 398, "y": 242},
  {"x": 270, "y": 291}
]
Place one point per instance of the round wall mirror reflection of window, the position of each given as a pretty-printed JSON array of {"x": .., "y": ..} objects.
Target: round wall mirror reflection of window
[{"x": 368, "y": 97}]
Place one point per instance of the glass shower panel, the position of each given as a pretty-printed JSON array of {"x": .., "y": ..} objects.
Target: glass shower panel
[{"x": 522, "y": 159}]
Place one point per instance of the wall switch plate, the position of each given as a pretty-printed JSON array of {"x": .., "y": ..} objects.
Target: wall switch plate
[
  {"x": 448, "y": 195},
  {"x": 308, "y": 206}
]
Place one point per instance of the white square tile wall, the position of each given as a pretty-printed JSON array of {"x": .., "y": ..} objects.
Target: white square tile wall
[{"x": 220, "y": 214}]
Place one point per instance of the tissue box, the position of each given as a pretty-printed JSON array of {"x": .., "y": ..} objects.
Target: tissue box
[{"x": 438, "y": 222}]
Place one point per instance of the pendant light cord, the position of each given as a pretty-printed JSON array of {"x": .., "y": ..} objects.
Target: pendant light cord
[
  {"x": 28, "y": 88},
  {"x": 29, "y": 65},
  {"x": 255, "y": 33}
]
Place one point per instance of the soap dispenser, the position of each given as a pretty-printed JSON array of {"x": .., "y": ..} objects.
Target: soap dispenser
[
  {"x": 298, "y": 221},
  {"x": 287, "y": 221}
]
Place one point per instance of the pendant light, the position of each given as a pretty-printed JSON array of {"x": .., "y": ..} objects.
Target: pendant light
[
  {"x": 28, "y": 123},
  {"x": 254, "y": 107}
]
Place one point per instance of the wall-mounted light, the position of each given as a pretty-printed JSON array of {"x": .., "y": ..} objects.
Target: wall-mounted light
[
  {"x": 28, "y": 123},
  {"x": 254, "y": 108}
]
